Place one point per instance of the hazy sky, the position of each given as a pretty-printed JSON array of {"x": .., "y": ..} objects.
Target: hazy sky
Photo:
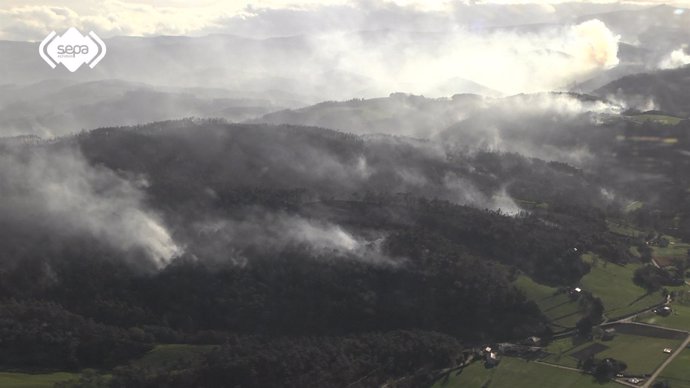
[{"x": 33, "y": 19}]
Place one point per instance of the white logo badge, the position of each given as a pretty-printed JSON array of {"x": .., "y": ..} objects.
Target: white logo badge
[{"x": 72, "y": 49}]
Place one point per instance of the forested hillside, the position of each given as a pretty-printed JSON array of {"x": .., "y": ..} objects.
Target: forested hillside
[{"x": 286, "y": 232}]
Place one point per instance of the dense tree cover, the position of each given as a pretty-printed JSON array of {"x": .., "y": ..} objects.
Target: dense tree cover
[
  {"x": 593, "y": 309},
  {"x": 41, "y": 334},
  {"x": 658, "y": 170},
  {"x": 653, "y": 278},
  {"x": 292, "y": 168},
  {"x": 405, "y": 358},
  {"x": 605, "y": 369},
  {"x": 301, "y": 295},
  {"x": 357, "y": 361},
  {"x": 632, "y": 157},
  {"x": 404, "y": 257}
]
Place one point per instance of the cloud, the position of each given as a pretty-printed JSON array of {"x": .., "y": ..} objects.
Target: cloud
[
  {"x": 59, "y": 191},
  {"x": 675, "y": 59},
  {"x": 108, "y": 18},
  {"x": 33, "y": 19}
]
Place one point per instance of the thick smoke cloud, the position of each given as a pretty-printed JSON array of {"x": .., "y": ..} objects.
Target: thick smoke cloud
[
  {"x": 505, "y": 61},
  {"x": 675, "y": 59},
  {"x": 58, "y": 191},
  {"x": 357, "y": 59},
  {"x": 547, "y": 126},
  {"x": 541, "y": 125},
  {"x": 557, "y": 104}
]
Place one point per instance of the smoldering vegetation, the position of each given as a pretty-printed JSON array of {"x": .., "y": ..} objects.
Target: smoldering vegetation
[
  {"x": 563, "y": 127},
  {"x": 296, "y": 227},
  {"x": 201, "y": 230},
  {"x": 214, "y": 192},
  {"x": 285, "y": 230},
  {"x": 222, "y": 193},
  {"x": 257, "y": 231},
  {"x": 53, "y": 196}
]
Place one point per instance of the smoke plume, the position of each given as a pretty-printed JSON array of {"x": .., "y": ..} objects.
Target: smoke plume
[
  {"x": 675, "y": 59},
  {"x": 58, "y": 191}
]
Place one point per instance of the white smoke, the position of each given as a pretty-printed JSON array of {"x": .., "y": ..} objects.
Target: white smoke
[
  {"x": 638, "y": 102},
  {"x": 557, "y": 104},
  {"x": 61, "y": 191},
  {"x": 519, "y": 124},
  {"x": 505, "y": 61},
  {"x": 466, "y": 193},
  {"x": 274, "y": 232},
  {"x": 505, "y": 203},
  {"x": 675, "y": 59}
]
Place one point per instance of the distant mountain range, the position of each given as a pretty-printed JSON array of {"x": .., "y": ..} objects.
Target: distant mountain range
[{"x": 59, "y": 106}]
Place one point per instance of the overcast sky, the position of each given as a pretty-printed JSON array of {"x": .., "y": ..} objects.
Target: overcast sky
[{"x": 33, "y": 19}]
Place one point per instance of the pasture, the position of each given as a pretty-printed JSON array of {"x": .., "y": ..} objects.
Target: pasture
[
  {"x": 158, "y": 357},
  {"x": 613, "y": 283},
  {"x": 561, "y": 311},
  {"x": 168, "y": 354},
  {"x": 675, "y": 249},
  {"x": 677, "y": 372},
  {"x": 517, "y": 373},
  {"x": 34, "y": 380},
  {"x": 624, "y": 229},
  {"x": 657, "y": 118},
  {"x": 679, "y": 318},
  {"x": 642, "y": 354}
]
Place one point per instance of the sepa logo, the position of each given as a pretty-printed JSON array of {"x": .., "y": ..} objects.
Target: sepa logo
[{"x": 72, "y": 49}]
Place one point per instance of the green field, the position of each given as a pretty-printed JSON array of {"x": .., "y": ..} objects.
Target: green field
[
  {"x": 634, "y": 205},
  {"x": 38, "y": 380},
  {"x": 624, "y": 229},
  {"x": 679, "y": 318},
  {"x": 560, "y": 351},
  {"x": 531, "y": 204},
  {"x": 561, "y": 311},
  {"x": 613, "y": 283},
  {"x": 158, "y": 357},
  {"x": 163, "y": 355},
  {"x": 675, "y": 248},
  {"x": 517, "y": 373},
  {"x": 642, "y": 354},
  {"x": 635, "y": 252},
  {"x": 662, "y": 119},
  {"x": 677, "y": 373}
]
